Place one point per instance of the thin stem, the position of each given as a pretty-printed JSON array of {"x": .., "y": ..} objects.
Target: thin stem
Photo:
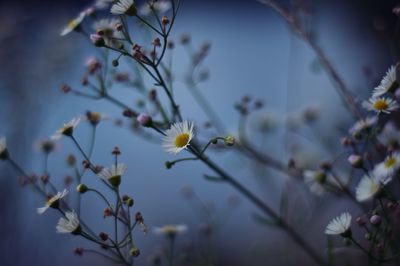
[
  {"x": 171, "y": 251},
  {"x": 260, "y": 204}
]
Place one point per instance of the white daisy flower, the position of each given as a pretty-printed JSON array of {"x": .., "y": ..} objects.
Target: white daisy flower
[
  {"x": 171, "y": 230},
  {"x": 73, "y": 24},
  {"x": 315, "y": 180},
  {"x": 363, "y": 124},
  {"x": 381, "y": 105},
  {"x": 388, "y": 83},
  {"x": 113, "y": 175},
  {"x": 339, "y": 225},
  {"x": 122, "y": 7},
  {"x": 105, "y": 27},
  {"x": 3, "y": 149},
  {"x": 103, "y": 4},
  {"x": 53, "y": 202},
  {"x": 178, "y": 137},
  {"x": 390, "y": 135},
  {"x": 70, "y": 224},
  {"x": 159, "y": 7},
  {"x": 386, "y": 169},
  {"x": 367, "y": 188},
  {"x": 67, "y": 129}
]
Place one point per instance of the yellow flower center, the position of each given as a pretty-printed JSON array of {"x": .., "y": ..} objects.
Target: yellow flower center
[
  {"x": 389, "y": 162},
  {"x": 380, "y": 105},
  {"x": 72, "y": 24},
  {"x": 181, "y": 140}
]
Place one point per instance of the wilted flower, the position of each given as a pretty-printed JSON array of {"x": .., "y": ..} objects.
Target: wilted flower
[
  {"x": 388, "y": 83},
  {"x": 113, "y": 175},
  {"x": 367, "y": 188},
  {"x": 67, "y": 129},
  {"x": 53, "y": 202},
  {"x": 122, "y": 7},
  {"x": 74, "y": 24},
  {"x": 178, "y": 137},
  {"x": 381, "y": 105},
  {"x": 339, "y": 225},
  {"x": 171, "y": 230},
  {"x": 70, "y": 224}
]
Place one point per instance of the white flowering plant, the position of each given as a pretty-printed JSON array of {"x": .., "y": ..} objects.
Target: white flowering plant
[{"x": 371, "y": 143}]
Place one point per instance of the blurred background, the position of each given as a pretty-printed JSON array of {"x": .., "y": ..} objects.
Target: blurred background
[{"x": 252, "y": 53}]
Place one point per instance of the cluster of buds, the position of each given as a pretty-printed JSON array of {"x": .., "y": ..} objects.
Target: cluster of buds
[
  {"x": 247, "y": 105},
  {"x": 137, "y": 52}
]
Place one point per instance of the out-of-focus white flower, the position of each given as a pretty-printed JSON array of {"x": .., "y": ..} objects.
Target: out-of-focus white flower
[
  {"x": 73, "y": 24},
  {"x": 178, "y": 137},
  {"x": 315, "y": 180},
  {"x": 70, "y": 224},
  {"x": 339, "y": 225},
  {"x": 381, "y": 105},
  {"x": 390, "y": 135},
  {"x": 367, "y": 188},
  {"x": 388, "y": 83},
  {"x": 363, "y": 124},
  {"x": 171, "y": 230},
  {"x": 53, "y": 202},
  {"x": 105, "y": 27},
  {"x": 159, "y": 7},
  {"x": 386, "y": 169},
  {"x": 67, "y": 129},
  {"x": 122, "y": 7},
  {"x": 113, "y": 175},
  {"x": 103, "y": 4}
]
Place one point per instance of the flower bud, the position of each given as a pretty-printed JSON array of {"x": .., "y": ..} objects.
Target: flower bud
[
  {"x": 145, "y": 120},
  {"x": 115, "y": 63},
  {"x": 355, "y": 160},
  {"x": 360, "y": 221},
  {"x": 71, "y": 160},
  {"x": 78, "y": 251},
  {"x": 103, "y": 236},
  {"x": 375, "y": 220},
  {"x": 97, "y": 40},
  {"x": 116, "y": 151},
  {"x": 229, "y": 140},
  {"x": 134, "y": 252},
  {"x": 164, "y": 20},
  {"x": 168, "y": 164},
  {"x": 129, "y": 202},
  {"x": 106, "y": 212},
  {"x": 81, "y": 188}
]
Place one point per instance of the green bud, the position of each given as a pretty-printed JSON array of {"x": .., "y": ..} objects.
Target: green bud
[
  {"x": 168, "y": 164},
  {"x": 129, "y": 202},
  {"x": 115, "y": 63},
  {"x": 81, "y": 188},
  {"x": 134, "y": 252},
  {"x": 229, "y": 140}
]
